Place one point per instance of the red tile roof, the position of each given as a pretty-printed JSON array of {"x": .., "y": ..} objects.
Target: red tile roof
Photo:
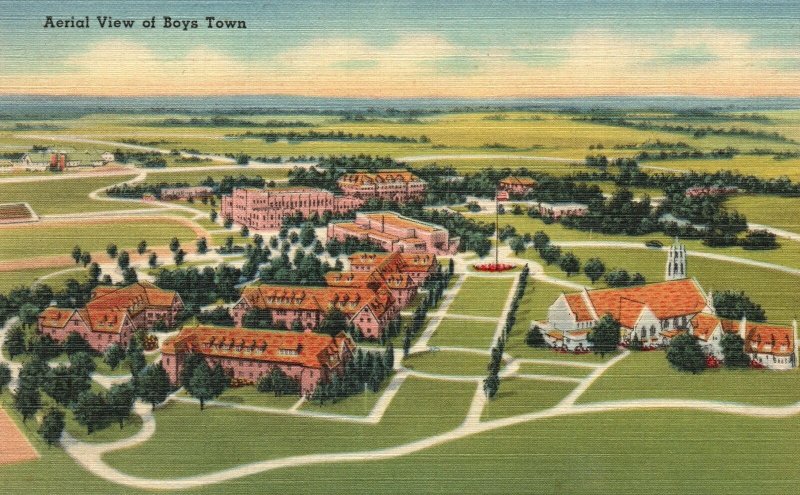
[
  {"x": 349, "y": 300},
  {"x": 369, "y": 178},
  {"x": 578, "y": 307},
  {"x": 769, "y": 339},
  {"x": 518, "y": 181},
  {"x": 703, "y": 325},
  {"x": 311, "y": 350}
]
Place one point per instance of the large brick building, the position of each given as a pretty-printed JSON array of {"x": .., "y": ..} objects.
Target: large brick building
[
  {"x": 263, "y": 209},
  {"x": 393, "y": 232},
  {"x": 251, "y": 354},
  {"x": 376, "y": 289},
  {"x": 392, "y": 185},
  {"x": 113, "y": 315}
]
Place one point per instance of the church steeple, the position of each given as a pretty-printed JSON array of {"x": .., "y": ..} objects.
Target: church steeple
[{"x": 676, "y": 262}]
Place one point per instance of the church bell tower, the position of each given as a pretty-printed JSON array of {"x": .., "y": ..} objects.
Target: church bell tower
[{"x": 676, "y": 262}]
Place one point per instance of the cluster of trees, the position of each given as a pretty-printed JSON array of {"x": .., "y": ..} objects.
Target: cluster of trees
[
  {"x": 218, "y": 121},
  {"x": 351, "y": 245},
  {"x": 685, "y": 353},
  {"x": 148, "y": 159},
  {"x": 365, "y": 370},
  {"x": 201, "y": 287},
  {"x": 511, "y": 318},
  {"x": 202, "y": 382},
  {"x": 304, "y": 269},
  {"x": 695, "y": 131},
  {"x": 293, "y": 136},
  {"x": 491, "y": 384},
  {"x": 329, "y": 169},
  {"x": 604, "y": 336},
  {"x": 417, "y": 320},
  {"x": 728, "y": 152},
  {"x": 279, "y": 383},
  {"x": 736, "y": 305},
  {"x": 550, "y": 253}
]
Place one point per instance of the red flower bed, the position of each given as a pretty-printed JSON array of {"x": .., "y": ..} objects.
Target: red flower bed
[
  {"x": 756, "y": 365},
  {"x": 712, "y": 362},
  {"x": 494, "y": 267}
]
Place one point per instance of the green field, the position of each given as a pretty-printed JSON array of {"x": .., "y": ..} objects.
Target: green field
[
  {"x": 421, "y": 408},
  {"x": 648, "y": 375},
  {"x": 762, "y": 210},
  {"x": 11, "y": 279},
  {"x": 195, "y": 177},
  {"x": 448, "y": 362},
  {"x": 15, "y": 243},
  {"x": 553, "y": 369},
  {"x": 249, "y": 396},
  {"x": 65, "y": 195},
  {"x": 520, "y": 396},
  {"x": 481, "y": 296},
  {"x": 454, "y": 332}
]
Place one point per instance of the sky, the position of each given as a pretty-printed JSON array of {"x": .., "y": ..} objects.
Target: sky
[{"x": 407, "y": 49}]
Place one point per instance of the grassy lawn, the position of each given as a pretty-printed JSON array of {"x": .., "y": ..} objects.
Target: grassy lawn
[
  {"x": 110, "y": 433},
  {"x": 761, "y": 209},
  {"x": 420, "y": 409},
  {"x": 10, "y": 280},
  {"x": 15, "y": 242},
  {"x": 448, "y": 363},
  {"x": 481, "y": 296},
  {"x": 463, "y": 333},
  {"x": 195, "y": 177},
  {"x": 520, "y": 396},
  {"x": 355, "y": 405},
  {"x": 249, "y": 396},
  {"x": 553, "y": 369},
  {"x": 65, "y": 195},
  {"x": 649, "y": 375}
]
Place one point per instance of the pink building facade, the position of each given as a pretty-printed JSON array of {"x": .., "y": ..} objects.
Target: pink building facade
[
  {"x": 393, "y": 232},
  {"x": 264, "y": 209},
  {"x": 249, "y": 355}
]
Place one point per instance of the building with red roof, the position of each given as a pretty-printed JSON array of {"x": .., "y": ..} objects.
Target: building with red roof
[
  {"x": 393, "y": 232},
  {"x": 400, "y": 186},
  {"x": 113, "y": 315},
  {"x": 248, "y": 354},
  {"x": 516, "y": 186}
]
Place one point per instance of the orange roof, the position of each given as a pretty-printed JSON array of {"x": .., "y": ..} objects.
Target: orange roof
[
  {"x": 55, "y": 317},
  {"x": 390, "y": 218},
  {"x": 578, "y": 307},
  {"x": 672, "y": 333},
  {"x": 312, "y": 350},
  {"x": 518, "y": 181},
  {"x": 703, "y": 325},
  {"x": 369, "y": 178},
  {"x": 769, "y": 339},
  {"x": 349, "y": 300},
  {"x": 665, "y": 299}
]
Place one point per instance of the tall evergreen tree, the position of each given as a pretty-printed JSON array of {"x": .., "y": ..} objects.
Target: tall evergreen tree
[{"x": 52, "y": 425}]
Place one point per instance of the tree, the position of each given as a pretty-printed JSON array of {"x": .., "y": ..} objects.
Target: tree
[
  {"x": 52, "y": 425},
  {"x": 200, "y": 385},
  {"x": 86, "y": 258},
  {"x": 43, "y": 347},
  {"x": 257, "y": 318},
  {"x": 91, "y": 410},
  {"x": 534, "y": 337},
  {"x": 5, "y": 376},
  {"x": 94, "y": 272},
  {"x": 179, "y": 255},
  {"x": 212, "y": 215},
  {"x": 76, "y": 254},
  {"x": 540, "y": 240},
  {"x": 153, "y": 261},
  {"x": 735, "y": 305},
  {"x": 28, "y": 314},
  {"x": 491, "y": 384},
  {"x": 228, "y": 223},
  {"x": 733, "y": 351},
  {"x": 297, "y": 326},
  {"x": 27, "y": 399},
  {"x": 174, "y": 244},
  {"x": 245, "y": 231},
  {"x": 111, "y": 250},
  {"x": 202, "y": 245},
  {"x": 307, "y": 234},
  {"x": 517, "y": 245},
  {"x": 153, "y": 384},
  {"x": 685, "y": 354},
  {"x": 604, "y": 337},
  {"x": 113, "y": 356},
  {"x": 129, "y": 276},
  {"x": 569, "y": 264},
  {"x": 75, "y": 343},
  {"x": 334, "y": 322},
  {"x": 594, "y": 268},
  {"x": 258, "y": 240},
  {"x": 759, "y": 239},
  {"x": 283, "y": 233},
  {"x": 136, "y": 359},
  {"x": 190, "y": 362},
  {"x": 120, "y": 402},
  {"x": 82, "y": 363},
  {"x": 15, "y": 341},
  {"x": 334, "y": 247},
  {"x": 65, "y": 384},
  {"x": 618, "y": 278},
  {"x": 142, "y": 247},
  {"x": 406, "y": 343},
  {"x": 550, "y": 254}
]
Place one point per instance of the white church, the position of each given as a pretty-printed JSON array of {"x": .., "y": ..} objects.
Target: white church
[{"x": 655, "y": 313}]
